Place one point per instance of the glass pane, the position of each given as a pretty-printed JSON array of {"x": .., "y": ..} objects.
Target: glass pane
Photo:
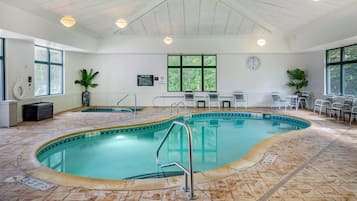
[
  {"x": 191, "y": 61},
  {"x": 350, "y": 79},
  {"x": 333, "y": 80},
  {"x": 56, "y": 56},
  {"x": 334, "y": 55},
  {"x": 209, "y": 76},
  {"x": 209, "y": 60},
  {"x": 2, "y": 88},
  {"x": 174, "y": 82},
  {"x": 41, "y": 54},
  {"x": 1, "y": 47},
  {"x": 56, "y": 79},
  {"x": 191, "y": 79},
  {"x": 173, "y": 61},
  {"x": 41, "y": 80},
  {"x": 350, "y": 53}
]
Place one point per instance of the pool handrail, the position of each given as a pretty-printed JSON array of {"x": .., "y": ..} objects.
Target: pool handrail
[
  {"x": 135, "y": 102},
  {"x": 188, "y": 172}
]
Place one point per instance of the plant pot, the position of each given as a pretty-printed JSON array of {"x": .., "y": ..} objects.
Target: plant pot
[{"x": 85, "y": 98}]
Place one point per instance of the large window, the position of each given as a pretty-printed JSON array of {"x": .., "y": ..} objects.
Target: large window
[
  {"x": 48, "y": 71},
  {"x": 2, "y": 69},
  {"x": 341, "y": 70},
  {"x": 191, "y": 73}
]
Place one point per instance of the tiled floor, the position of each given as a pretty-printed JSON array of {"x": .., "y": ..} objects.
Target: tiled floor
[{"x": 319, "y": 164}]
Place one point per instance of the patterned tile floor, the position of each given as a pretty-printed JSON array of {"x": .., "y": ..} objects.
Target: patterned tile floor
[{"x": 317, "y": 165}]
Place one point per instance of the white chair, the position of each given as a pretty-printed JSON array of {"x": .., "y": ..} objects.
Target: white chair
[
  {"x": 336, "y": 107},
  {"x": 348, "y": 105},
  {"x": 304, "y": 98},
  {"x": 293, "y": 101},
  {"x": 323, "y": 103},
  {"x": 240, "y": 99},
  {"x": 278, "y": 101},
  {"x": 213, "y": 98},
  {"x": 353, "y": 114},
  {"x": 189, "y": 99}
]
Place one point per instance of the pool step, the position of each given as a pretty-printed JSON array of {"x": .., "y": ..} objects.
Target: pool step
[{"x": 157, "y": 175}]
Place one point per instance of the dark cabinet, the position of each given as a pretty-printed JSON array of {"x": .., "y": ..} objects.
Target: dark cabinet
[{"x": 37, "y": 111}]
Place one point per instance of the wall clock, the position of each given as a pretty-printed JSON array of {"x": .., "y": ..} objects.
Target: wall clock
[{"x": 253, "y": 63}]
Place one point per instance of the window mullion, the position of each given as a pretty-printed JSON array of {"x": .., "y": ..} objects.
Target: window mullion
[
  {"x": 181, "y": 73},
  {"x": 49, "y": 71},
  {"x": 202, "y": 75}
]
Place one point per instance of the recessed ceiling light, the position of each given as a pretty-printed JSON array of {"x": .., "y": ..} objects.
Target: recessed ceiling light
[
  {"x": 121, "y": 23},
  {"x": 68, "y": 21},
  {"x": 316, "y": 0},
  {"x": 261, "y": 42},
  {"x": 168, "y": 40}
]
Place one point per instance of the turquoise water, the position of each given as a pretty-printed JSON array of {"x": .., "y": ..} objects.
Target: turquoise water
[{"x": 125, "y": 153}]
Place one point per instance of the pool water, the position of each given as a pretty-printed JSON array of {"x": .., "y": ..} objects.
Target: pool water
[{"x": 217, "y": 140}]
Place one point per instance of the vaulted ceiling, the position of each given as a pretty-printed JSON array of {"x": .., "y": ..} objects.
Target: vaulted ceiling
[{"x": 184, "y": 17}]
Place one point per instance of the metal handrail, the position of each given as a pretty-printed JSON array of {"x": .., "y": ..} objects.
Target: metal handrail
[
  {"x": 188, "y": 172},
  {"x": 119, "y": 101},
  {"x": 177, "y": 104},
  {"x": 135, "y": 102}
]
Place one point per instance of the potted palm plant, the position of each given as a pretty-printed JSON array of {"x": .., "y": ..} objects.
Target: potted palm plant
[
  {"x": 86, "y": 82},
  {"x": 297, "y": 80}
]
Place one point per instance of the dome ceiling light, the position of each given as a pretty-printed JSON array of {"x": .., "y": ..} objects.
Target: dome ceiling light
[
  {"x": 261, "y": 42},
  {"x": 168, "y": 40},
  {"x": 121, "y": 23},
  {"x": 68, "y": 21}
]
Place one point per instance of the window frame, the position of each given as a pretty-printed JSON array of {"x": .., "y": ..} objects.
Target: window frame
[
  {"x": 48, "y": 63},
  {"x": 2, "y": 60},
  {"x": 341, "y": 64},
  {"x": 181, "y": 67}
]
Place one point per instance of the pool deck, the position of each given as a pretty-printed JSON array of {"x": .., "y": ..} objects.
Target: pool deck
[{"x": 316, "y": 164}]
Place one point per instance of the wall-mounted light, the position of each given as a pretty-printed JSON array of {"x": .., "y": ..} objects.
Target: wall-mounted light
[
  {"x": 261, "y": 42},
  {"x": 121, "y": 23},
  {"x": 168, "y": 40},
  {"x": 68, "y": 21}
]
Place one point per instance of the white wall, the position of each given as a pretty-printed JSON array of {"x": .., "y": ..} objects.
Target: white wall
[
  {"x": 118, "y": 76},
  {"x": 314, "y": 63},
  {"x": 19, "y": 64}
]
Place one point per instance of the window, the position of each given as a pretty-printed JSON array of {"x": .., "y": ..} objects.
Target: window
[
  {"x": 48, "y": 71},
  {"x": 191, "y": 73},
  {"x": 341, "y": 70},
  {"x": 2, "y": 69}
]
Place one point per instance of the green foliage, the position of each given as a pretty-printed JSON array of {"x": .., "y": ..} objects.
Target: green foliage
[
  {"x": 86, "y": 79},
  {"x": 297, "y": 79}
]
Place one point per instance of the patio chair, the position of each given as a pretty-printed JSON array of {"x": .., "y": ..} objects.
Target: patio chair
[
  {"x": 189, "y": 99},
  {"x": 323, "y": 103},
  {"x": 353, "y": 114},
  {"x": 213, "y": 98},
  {"x": 240, "y": 99},
  {"x": 278, "y": 102},
  {"x": 304, "y": 99},
  {"x": 349, "y": 104}
]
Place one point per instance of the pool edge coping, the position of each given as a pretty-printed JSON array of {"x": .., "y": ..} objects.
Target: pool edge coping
[{"x": 29, "y": 163}]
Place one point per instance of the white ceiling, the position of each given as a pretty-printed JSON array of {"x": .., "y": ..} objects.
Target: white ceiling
[{"x": 185, "y": 17}]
